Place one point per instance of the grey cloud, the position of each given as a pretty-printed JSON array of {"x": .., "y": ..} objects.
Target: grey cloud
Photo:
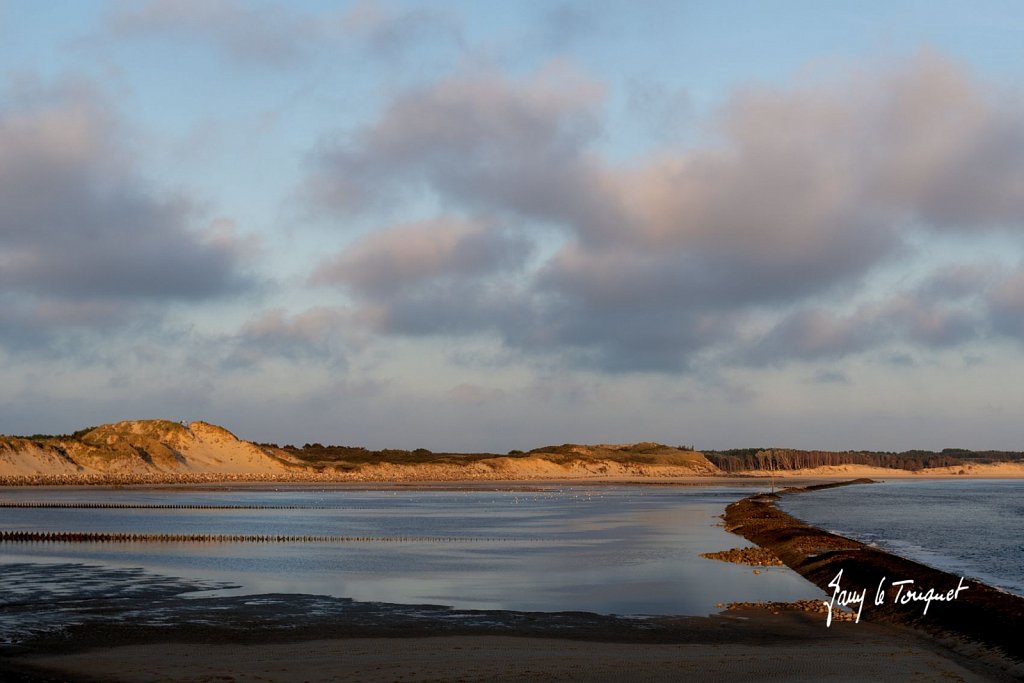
[
  {"x": 814, "y": 335},
  {"x": 818, "y": 334},
  {"x": 565, "y": 23},
  {"x": 126, "y": 247},
  {"x": 640, "y": 340},
  {"x": 830, "y": 377},
  {"x": 666, "y": 113},
  {"x": 972, "y": 360},
  {"x": 802, "y": 175},
  {"x": 277, "y": 34},
  {"x": 28, "y": 326},
  {"x": 390, "y": 32},
  {"x": 461, "y": 307},
  {"x": 960, "y": 280},
  {"x": 990, "y": 295},
  {"x": 474, "y": 394},
  {"x": 403, "y": 256},
  {"x": 318, "y": 333},
  {"x": 938, "y": 328},
  {"x": 445, "y": 276},
  {"x": 77, "y": 227},
  {"x": 244, "y": 30},
  {"x": 954, "y": 148},
  {"x": 949, "y": 307},
  {"x": 483, "y": 140},
  {"x": 902, "y": 360},
  {"x": 797, "y": 194},
  {"x": 1006, "y": 306}
]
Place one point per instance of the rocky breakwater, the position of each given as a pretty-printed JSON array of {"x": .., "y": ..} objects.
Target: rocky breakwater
[
  {"x": 755, "y": 557},
  {"x": 880, "y": 586}
]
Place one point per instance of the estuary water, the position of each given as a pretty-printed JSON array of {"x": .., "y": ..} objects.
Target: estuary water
[
  {"x": 631, "y": 550},
  {"x": 970, "y": 527}
]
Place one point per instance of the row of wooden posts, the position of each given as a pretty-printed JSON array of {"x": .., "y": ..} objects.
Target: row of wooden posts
[
  {"x": 153, "y": 506},
  {"x": 101, "y": 536}
]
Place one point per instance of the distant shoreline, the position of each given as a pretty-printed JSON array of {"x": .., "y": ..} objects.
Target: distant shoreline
[
  {"x": 146, "y": 452},
  {"x": 786, "y": 478}
]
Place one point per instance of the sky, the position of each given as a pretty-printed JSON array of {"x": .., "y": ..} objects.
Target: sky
[{"x": 484, "y": 226}]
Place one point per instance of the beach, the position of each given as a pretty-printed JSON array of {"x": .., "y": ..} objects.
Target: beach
[
  {"x": 239, "y": 640},
  {"x": 769, "y": 647}
]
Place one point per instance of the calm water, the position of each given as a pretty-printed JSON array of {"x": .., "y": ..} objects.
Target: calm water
[
  {"x": 612, "y": 550},
  {"x": 969, "y": 527}
]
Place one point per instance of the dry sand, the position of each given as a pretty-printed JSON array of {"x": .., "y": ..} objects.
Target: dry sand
[
  {"x": 857, "y": 652},
  {"x": 999, "y": 470}
]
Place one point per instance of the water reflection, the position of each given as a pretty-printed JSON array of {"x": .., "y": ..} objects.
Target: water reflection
[{"x": 622, "y": 550}]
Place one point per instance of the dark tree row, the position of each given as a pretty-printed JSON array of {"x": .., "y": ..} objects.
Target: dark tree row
[{"x": 791, "y": 459}]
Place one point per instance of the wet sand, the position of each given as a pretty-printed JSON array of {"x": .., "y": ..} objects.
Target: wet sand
[{"x": 309, "y": 638}]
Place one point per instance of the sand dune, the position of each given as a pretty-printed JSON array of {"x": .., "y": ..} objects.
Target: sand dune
[
  {"x": 144, "y": 451},
  {"x": 161, "y": 451},
  {"x": 142, "y": 448}
]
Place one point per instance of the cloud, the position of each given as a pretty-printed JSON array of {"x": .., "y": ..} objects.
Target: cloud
[
  {"x": 830, "y": 377},
  {"x": 820, "y": 334},
  {"x": 1006, "y": 306},
  {"x": 479, "y": 137},
  {"x": 245, "y": 31},
  {"x": 31, "y": 326},
  {"x": 317, "y": 333},
  {"x": 794, "y": 195},
  {"x": 474, "y": 394},
  {"x": 391, "y": 32},
  {"x": 899, "y": 360},
  {"x": 409, "y": 255},
  {"x": 952, "y": 148},
  {"x": 959, "y": 280},
  {"x": 276, "y": 34},
  {"x": 665, "y": 113},
  {"x": 447, "y": 275},
  {"x": 81, "y": 236},
  {"x": 565, "y": 23},
  {"x": 951, "y": 306}
]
